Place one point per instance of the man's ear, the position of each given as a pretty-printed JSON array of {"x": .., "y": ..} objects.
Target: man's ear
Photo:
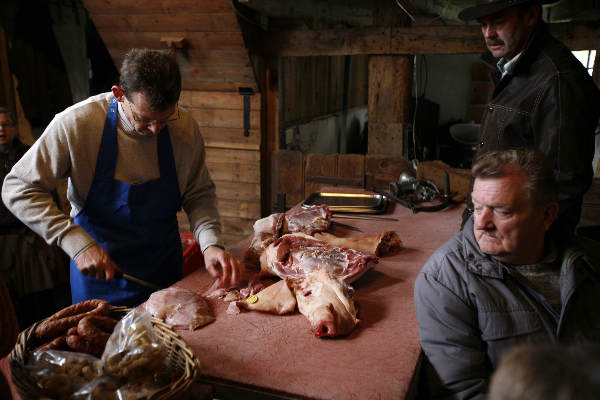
[
  {"x": 118, "y": 92},
  {"x": 550, "y": 213}
]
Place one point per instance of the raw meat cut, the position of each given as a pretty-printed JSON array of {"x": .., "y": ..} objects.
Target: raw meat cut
[
  {"x": 277, "y": 299},
  {"x": 383, "y": 244},
  {"x": 307, "y": 220},
  {"x": 179, "y": 308},
  {"x": 326, "y": 303},
  {"x": 295, "y": 255},
  {"x": 266, "y": 230}
]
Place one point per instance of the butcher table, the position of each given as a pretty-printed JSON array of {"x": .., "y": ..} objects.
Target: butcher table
[
  {"x": 278, "y": 355},
  {"x": 265, "y": 356}
]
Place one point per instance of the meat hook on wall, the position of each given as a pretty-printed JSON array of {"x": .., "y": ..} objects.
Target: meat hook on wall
[{"x": 246, "y": 92}]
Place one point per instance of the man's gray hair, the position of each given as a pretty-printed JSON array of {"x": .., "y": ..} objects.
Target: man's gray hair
[
  {"x": 540, "y": 186},
  {"x": 4, "y": 110},
  {"x": 155, "y": 74}
]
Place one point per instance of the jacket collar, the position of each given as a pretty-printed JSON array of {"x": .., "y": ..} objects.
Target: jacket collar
[{"x": 476, "y": 260}]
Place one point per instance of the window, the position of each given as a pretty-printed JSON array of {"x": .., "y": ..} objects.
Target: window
[{"x": 587, "y": 58}]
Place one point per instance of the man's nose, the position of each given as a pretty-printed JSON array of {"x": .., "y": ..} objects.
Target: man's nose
[
  {"x": 155, "y": 127},
  {"x": 488, "y": 32},
  {"x": 483, "y": 219}
]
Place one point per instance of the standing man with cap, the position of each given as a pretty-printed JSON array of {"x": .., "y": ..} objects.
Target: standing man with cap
[
  {"x": 133, "y": 158},
  {"x": 543, "y": 98}
]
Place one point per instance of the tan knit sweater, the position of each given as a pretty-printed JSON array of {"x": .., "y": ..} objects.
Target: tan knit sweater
[{"x": 69, "y": 148}]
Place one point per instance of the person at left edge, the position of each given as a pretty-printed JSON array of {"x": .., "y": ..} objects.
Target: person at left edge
[{"x": 133, "y": 158}]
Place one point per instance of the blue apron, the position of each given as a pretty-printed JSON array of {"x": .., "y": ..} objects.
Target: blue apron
[{"x": 135, "y": 223}]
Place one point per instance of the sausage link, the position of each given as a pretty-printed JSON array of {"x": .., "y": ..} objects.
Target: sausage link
[
  {"x": 96, "y": 328},
  {"x": 69, "y": 317},
  {"x": 60, "y": 343},
  {"x": 82, "y": 345}
]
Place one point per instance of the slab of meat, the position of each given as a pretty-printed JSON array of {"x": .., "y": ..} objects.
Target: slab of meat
[
  {"x": 178, "y": 307},
  {"x": 381, "y": 245},
  {"x": 307, "y": 220},
  {"x": 266, "y": 230},
  {"x": 276, "y": 299},
  {"x": 295, "y": 255},
  {"x": 326, "y": 303}
]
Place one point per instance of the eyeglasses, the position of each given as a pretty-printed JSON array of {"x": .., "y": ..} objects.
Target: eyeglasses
[{"x": 159, "y": 122}]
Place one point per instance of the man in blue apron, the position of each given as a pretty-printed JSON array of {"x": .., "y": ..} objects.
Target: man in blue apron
[{"x": 133, "y": 159}]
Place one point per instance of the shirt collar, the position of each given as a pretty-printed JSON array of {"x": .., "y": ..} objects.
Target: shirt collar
[
  {"x": 507, "y": 67},
  {"x": 125, "y": 124}
]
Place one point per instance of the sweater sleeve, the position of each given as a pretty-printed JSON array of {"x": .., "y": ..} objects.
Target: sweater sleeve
[
  {"x": 27, "y": 191},
  {"x": 448, "y": 329},
  {"x": 199, "y": 198}
]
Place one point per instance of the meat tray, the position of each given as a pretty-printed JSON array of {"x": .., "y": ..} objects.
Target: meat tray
[{"x": 348, "y": 202}]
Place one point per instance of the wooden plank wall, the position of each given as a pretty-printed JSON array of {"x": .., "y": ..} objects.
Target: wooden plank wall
[
  {"x": 214, "y": 63},
  {"x": 233, "y": 159}
]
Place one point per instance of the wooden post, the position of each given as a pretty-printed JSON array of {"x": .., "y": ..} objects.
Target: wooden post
[{"x": 390, "y": 79}]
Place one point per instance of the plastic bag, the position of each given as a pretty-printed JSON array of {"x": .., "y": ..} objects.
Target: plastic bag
[
  {"x": 133, "y": 365},
  {"x": 61, "y": 373},
  {"x": 133, "y": 350}
]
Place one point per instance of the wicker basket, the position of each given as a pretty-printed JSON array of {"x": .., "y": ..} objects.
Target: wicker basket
[{"x": 180, "y": 360}]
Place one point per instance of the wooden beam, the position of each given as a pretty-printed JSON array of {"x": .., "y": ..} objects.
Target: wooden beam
[
  {"x": 390, "y": 80},
  {"x": 459, "y": 39}
]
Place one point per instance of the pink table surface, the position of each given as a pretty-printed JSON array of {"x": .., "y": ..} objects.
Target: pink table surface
[{"x": 279, "y": 354}]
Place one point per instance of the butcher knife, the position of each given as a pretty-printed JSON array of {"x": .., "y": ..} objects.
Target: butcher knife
[
  {"x": 352, "y": 228},
  {"x": 139, "y": 281}
]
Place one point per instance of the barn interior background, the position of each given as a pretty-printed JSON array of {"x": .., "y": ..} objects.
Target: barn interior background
[{"x": 290, "y": 95}]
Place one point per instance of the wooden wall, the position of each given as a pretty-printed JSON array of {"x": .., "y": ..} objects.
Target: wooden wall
[{"x": 214, "y": 63}]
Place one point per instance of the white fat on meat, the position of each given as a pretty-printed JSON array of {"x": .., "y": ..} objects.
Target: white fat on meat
[
  {"x": 295, "y": 255},
  {"x": 179, "y": 308},
  {"x": 266, "y": 230},
  {"x": 276, "y": 299},
  {"x": 326, "y": 303},
  {"x": 308, "y": 220}
]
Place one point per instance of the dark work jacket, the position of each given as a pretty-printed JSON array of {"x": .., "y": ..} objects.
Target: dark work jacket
[
  {"x": 471, "y": 308},
  {"x": 9, "y": 224},
  {"x": 549, "y": 102}
]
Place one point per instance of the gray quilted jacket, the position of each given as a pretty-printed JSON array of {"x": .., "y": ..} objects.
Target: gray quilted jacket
[{"x": 471, "y": 308}]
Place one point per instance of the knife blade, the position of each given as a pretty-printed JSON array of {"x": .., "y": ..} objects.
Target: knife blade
[
  {"x": 139, "y": 281},
  {"x": 352, "y": 228}
]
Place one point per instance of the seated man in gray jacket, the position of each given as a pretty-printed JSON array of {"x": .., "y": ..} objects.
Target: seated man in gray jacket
[{"x": 502, "y": 281}]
